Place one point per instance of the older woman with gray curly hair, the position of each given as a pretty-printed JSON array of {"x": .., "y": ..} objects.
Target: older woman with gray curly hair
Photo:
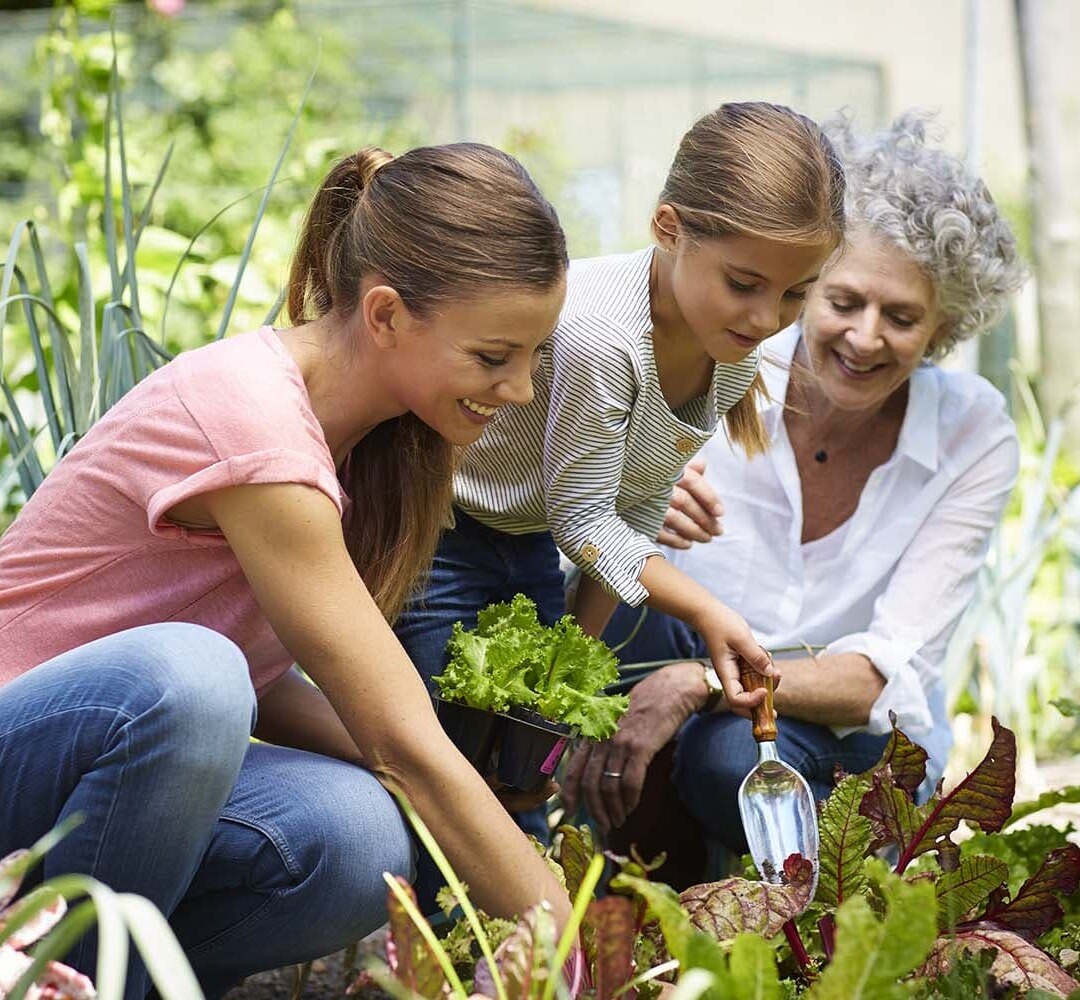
[{"x": 863, "y": 529}]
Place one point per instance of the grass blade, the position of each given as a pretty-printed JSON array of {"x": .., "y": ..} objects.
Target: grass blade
[
  {"x": 125, "y": 188},
  {"x": 165, "y": 959},
  {"x": 5, "y": 281},
  {"x": 63, "y": 360},
  {"x": 109, "y": 207},
  {"x": 144, "y": 215},
  {"x": 86, "y": 387},
  {"x": 112, "y": 957},
  {"x": 231, "y": 301}
]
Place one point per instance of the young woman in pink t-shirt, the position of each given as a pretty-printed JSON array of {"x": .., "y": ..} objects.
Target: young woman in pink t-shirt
[{"x": 266, "y": 500}]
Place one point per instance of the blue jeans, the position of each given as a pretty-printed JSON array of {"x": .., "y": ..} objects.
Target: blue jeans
[
  {"x": 475, "y": 566},
  {"x": 260, "y": 856},
  {"x": 715, "y": 752}
]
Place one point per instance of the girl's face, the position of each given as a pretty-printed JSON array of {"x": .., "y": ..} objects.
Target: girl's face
[
  {"x": 869, "y": 323},
  {"x": 457, "y": 366},
  {"x": 734, "y": 292}
]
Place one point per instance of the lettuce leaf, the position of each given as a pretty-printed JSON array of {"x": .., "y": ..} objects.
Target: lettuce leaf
[{"x": 510, "y": 658}]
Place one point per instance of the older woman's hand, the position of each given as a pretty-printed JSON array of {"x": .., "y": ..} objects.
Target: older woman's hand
[
  {"x": 695, "y": 513},
  {"x": 609, "y": 776}
]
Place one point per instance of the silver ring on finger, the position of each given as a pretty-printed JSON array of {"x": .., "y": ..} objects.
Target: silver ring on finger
[{"x": 612, "y": 774}]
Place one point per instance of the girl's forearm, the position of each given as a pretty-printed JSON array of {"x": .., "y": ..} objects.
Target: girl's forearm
[
  {"x": 592, "y": 606},
  {"x": 675, "y": 593}
]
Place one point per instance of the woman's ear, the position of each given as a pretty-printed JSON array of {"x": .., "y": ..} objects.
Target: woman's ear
[
  {"x": 941, "y": 335},
  {"x": 666, "y": 226},
  {"x": 384, "y": 314}
]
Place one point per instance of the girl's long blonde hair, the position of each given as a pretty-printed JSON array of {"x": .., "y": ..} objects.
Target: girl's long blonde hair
[{"x": 759, "y": 170}]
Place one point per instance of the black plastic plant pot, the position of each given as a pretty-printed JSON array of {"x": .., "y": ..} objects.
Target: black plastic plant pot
[
  {"x": 531, "y": 749},
  {"x": 473, "y": 731}
]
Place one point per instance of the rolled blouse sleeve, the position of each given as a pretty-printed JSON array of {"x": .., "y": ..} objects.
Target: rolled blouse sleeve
[{"x": 916, "y": 616}]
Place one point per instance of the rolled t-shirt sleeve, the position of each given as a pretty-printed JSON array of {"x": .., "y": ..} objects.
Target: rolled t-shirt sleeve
[
  {"x": 916, "y": 616},
  {"x": 584, "y": 452},
  {"x": 246, "y": 430}
]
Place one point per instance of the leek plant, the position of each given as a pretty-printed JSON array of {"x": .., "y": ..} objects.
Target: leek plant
[{"x": 83, "y": 363}]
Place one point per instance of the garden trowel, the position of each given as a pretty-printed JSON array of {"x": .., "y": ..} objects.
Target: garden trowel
[{"x": 775, "y": 801}]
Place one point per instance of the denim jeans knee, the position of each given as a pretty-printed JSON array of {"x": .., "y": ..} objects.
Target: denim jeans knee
[
  {"x": 143, "y": 733},
  {"x": 295, "y": 867}
]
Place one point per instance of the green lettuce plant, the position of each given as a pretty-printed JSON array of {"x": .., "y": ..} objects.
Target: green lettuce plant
[{"x": 510, "y": 658}]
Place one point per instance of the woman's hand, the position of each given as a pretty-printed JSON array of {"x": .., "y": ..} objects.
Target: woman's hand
[
  {"x": 514, "y": 801},
  {"x": 609, "y": 776},
  {"x": 695, "y": 513}
]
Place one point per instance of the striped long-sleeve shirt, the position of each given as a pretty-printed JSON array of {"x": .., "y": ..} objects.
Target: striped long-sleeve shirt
[{"x": 594, "y": 457}]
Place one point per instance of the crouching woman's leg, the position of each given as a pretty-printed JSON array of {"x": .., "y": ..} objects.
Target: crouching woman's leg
[
  {"x": 143, "y": 734},
  {"x": 294, "y": 870}
]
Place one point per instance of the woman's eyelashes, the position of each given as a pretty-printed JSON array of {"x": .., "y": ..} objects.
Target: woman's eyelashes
[
  {"x": 898, "y": 320},
  {"x": 490, "y": 361}
]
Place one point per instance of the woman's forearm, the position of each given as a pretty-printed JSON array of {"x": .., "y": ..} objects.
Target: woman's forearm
[
  {"x": 486, "y": 848},
  {"x": 836, "y": 690},
  {"x": 293, "y": 712}
]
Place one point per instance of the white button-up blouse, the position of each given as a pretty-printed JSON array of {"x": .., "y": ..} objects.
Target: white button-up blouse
[{"x": 894, "y": 579}]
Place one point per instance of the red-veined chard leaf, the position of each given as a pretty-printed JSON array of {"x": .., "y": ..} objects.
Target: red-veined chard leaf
[
  {"x": 734, "y": 906},
  {"x": 845, "y": 837},
  {"x": 576, "y": 851},
  {"x": 613, "y": 923},
  {"x": 410, "y": 957},
  {"x": 523, "y": 959},
  {"x": 959, "y": 892},
  {"x": 984, "y": 799},
  {"x": 1035, "y": 908},
  {"x": 1017, "y": 963},
  {"x": 905, "y": 759}
]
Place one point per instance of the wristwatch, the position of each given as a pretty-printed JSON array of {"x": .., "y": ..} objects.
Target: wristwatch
[{"x": 716, "y": 689}]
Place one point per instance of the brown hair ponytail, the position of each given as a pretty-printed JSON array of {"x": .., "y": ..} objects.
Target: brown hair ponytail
[
  {"x": 760, "y": 170},
  {"x": 438, "y": 224}
]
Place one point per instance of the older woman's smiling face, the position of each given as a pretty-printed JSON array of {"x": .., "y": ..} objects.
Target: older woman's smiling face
[{"x": 869, "y": 322}]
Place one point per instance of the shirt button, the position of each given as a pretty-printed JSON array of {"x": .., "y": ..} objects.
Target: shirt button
[
  {"x": 685, "y": 445},
  {"x": 589, "y": 553}
]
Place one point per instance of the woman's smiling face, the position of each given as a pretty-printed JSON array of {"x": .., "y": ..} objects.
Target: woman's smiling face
[{"x": 869, "y": 322}]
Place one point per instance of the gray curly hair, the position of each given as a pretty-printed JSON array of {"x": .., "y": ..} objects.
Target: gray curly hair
[{"x": 923, "y": 201}]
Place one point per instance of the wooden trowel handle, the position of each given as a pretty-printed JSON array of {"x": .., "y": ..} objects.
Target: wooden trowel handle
[{"x": 763, "y": 718}]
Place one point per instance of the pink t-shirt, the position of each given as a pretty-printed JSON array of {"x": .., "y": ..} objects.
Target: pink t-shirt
[{"x": 91, "y": 553}]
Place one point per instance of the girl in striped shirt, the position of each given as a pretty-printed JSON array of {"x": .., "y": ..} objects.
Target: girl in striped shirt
[{"x": 652, "y": 350}]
